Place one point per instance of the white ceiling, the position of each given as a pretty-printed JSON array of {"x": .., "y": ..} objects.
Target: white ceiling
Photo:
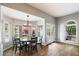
[
  {"x": 18, "y": 14},
  {"x": 57, "y": 9}
]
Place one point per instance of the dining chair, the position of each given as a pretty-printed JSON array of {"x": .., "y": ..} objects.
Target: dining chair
[
  {"x": 34, "y": 43},
  {"x": 17, "y": 44}
]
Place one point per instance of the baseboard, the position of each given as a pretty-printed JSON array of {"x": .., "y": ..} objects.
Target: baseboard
[
  {"x": 7, "y": 48},
  {"x": 75, "y": 44},
  {"x": 50, "y": 43}
]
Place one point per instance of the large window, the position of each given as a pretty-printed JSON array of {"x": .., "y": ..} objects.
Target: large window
[
  {"x": 71, "y": 30},
  {"x": 6, "y": 29}
]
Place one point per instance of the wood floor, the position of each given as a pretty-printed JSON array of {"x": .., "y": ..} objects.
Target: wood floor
[{"x": 54, "y": 49}]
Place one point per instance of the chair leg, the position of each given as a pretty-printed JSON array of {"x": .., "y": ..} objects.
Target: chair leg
[
  {"x": 28, "y": 49},
  {"x": 31, "y": 48},
  {"x": 25, "y": 48},
  {"x": 19, "y": 51},
  {"x": 15, "y": 49},
  {"x": 36, "y": 49}
]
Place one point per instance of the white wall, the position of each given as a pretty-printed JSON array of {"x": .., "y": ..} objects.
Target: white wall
[{"x": 61, "y": 28}]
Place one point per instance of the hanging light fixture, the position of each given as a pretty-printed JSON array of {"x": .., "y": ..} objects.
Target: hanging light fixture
[
  {"x": 25, "y": 28},
  {"x": 28, "y": 20},
  {"x": 16, "y": 22}
]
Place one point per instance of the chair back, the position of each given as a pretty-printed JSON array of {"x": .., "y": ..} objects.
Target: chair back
[
  {"x": 17, "y": 41},
  {"x": 34, "y": 40}
]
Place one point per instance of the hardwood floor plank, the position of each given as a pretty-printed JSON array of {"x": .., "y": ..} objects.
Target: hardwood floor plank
[{"x": 55, "y": 49}]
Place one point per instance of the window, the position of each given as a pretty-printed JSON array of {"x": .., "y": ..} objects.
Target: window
[
  {"x": 6, "y": 32},
  {"x": 71, "y": 30}
]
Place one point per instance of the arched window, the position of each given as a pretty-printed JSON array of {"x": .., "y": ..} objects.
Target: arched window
[{"x": 71, "y": 30}]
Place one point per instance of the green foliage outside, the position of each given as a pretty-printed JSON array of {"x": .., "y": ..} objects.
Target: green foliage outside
[
  {"x": 71, "y": 30},
  {"x": 71, "y": 22}
]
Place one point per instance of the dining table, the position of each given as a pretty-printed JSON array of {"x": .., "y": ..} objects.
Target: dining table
[{"x": 25, "y": 40}]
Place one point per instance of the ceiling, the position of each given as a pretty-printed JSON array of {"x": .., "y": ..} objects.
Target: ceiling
[
  {"x": 18, "y": 14},
  {"x": 57, "y": 9}
]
